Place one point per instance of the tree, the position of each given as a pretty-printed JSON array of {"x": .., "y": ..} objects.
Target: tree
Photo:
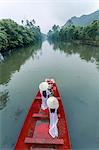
[
  {"x": 71, "y": 32},
  {"x": 13, "y": 35},
  {"x": 22, "y": 21}
]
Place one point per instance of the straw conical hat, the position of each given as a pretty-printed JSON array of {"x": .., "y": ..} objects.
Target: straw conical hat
[
  {"x": 43, "y": 86},
  {"x": 52, "y": 102},
  {"x": 52, "y": 80}
]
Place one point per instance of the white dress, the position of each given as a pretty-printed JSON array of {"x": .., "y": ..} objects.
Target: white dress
[
  {"x": 53, "y": 130},
  {"x": 44, "y": 103},
  {"x": 44, "y": 100}
]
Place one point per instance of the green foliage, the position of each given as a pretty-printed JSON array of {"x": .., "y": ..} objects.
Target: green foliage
[
  {"x": 54, "y": 34},
  {"x": 13, "y": 35},
  {"x": 3, "y": 39},
  {"x": 71, "y": 32}
]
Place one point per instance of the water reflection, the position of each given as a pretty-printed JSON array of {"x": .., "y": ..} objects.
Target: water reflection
[
  {"x": 1, "y": 58},
  {"x": 86, "y": 52},
  {"x": 14, "y": 61},
  {"x": 18, "y": 112},
  {"x": 3, "y": 98}
]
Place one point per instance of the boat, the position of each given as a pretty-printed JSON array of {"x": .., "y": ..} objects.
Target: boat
[{"x": 34, "y": 134}]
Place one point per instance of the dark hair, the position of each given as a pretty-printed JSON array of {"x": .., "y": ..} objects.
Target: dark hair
[
  {"x": 50, "y": 90},
  {"x": 44, "y": 94},
  {"x": 52, "y": 110}
]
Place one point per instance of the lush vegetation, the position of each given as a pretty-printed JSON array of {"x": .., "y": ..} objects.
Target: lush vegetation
[
  {"x": 71, "y": 32},
  {"x": 13, "y": 35}
]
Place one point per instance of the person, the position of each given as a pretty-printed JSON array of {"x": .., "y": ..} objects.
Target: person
[
  {"x": 50, "y": 91},
  {"x": 43, "y": 87},
  {"x": 53, "y": 105}
]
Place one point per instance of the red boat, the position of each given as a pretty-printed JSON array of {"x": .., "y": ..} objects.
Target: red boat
[{"x": 34, "y": 134}]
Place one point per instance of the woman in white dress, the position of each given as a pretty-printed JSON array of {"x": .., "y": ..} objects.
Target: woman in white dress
[
  {"x": 44, "y": 94},
  {"x": 53, "y": 105}
]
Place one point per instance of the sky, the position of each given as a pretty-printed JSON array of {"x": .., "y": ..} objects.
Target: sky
[{"x": 46, "y": 13}]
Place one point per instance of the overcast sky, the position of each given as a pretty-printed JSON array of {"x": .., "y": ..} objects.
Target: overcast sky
[{"x": 46, "y": 13}]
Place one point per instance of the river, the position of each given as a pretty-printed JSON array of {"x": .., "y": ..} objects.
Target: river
[{"x": 75, "y": 69}]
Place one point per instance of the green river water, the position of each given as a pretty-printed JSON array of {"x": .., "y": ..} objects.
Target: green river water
[{"x": 75, "y": 69}]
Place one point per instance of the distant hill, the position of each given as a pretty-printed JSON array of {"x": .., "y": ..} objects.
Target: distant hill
[{"x": 83, "y": 20}]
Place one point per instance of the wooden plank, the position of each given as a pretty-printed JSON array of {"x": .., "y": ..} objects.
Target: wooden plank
[
  {"x": 39, "y": 148},
  {"x": 38, "y": 115},
  {"x": 29, "y": 140},
  {"x": 38, "y": 97}
]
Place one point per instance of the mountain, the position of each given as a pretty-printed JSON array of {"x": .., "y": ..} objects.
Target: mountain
[{"x": 84, "y": 19}]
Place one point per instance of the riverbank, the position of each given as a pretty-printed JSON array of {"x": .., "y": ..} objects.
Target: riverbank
[
  {"x": 13, "y": 35},
  {"x": 84, "y": 34},
  {"x": 83, "y": 42},
  {"x": 87, "y": 42}
]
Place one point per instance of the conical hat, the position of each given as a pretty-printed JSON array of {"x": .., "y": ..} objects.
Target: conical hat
[
  {"x": 53, "y": 81},
  {"x": 52, "y": 102},
  {"x": 43, "y": 86}
]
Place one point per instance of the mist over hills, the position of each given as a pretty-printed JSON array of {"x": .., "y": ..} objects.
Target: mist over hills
[{"x": 84, "y": 19}]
